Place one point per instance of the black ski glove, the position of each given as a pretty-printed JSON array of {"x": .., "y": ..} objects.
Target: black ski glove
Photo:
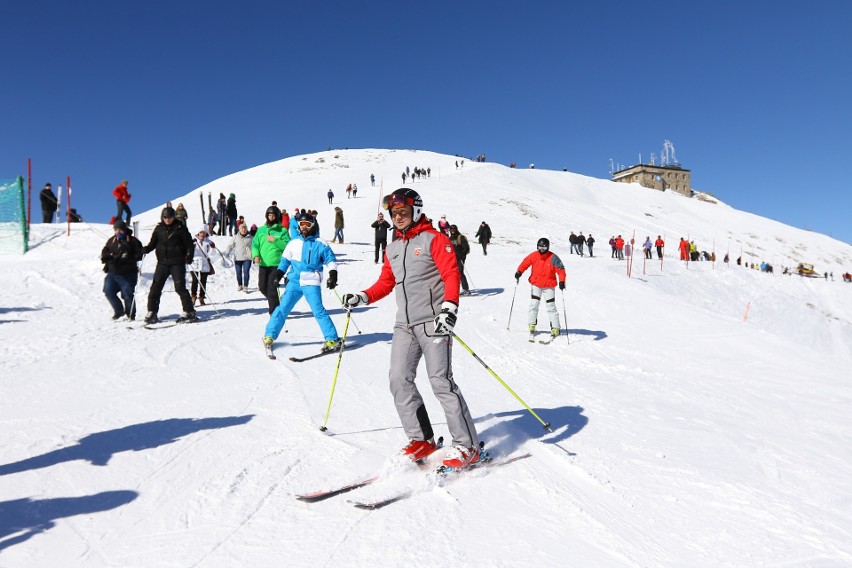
[
  {"x": 518, "y": 277},
  {"x": 562, "y": 285},
  {"x": 332, "y": 280},
  {"x": 276, "y": 280}
]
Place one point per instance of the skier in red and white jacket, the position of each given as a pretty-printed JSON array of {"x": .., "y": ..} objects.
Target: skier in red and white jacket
[
  {"x": 421, "y": 266},
  {"x": 546, "y": 267}
]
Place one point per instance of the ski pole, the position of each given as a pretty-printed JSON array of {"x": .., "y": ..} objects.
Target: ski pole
[
  {"x": 565, "y": 316},
  {"x": 136, "y": 288},
  {"x": 204, "y": 289},
  {"x": 513, "y": 305},
  {"x": 348, "y": 315},
  {"x": 339, "y": 358},
  {"x": 493, "y": 374}
]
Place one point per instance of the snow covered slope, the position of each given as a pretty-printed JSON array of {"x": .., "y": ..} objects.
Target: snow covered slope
[{"x": 684, "y": 435}]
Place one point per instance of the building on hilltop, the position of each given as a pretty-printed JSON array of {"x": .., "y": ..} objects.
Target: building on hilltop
[
  {"x": 669, "y": 175},
  {"x": 664, "y": 178}
]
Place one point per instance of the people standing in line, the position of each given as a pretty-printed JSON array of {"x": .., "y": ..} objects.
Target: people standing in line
[
  {"x": 175, "y": 249},
  {"x": 619, "y": 248},
  {"x": 646, "y": 246},
  {"x": 301, "y": 269},
  {"x": 612, "y": 244},
  {"x": 590, "y": 243},
  {"x": 659, "y": 243},
  {"x": 122, "y": 198},
  {"x": 483, "y": 235},
  {"x": 581, "y": 241},
  {"x": 421, "y": 266},
  {"x": 380, "y": 226},
  {"x": 547, "y": 271},
  {"x": 572, "y": 240},
  {"x": 241, "y": 248},
  {"x": 462, "y": 249},
  {"x": 120, "y": 254},
  {"x": 330, "y": 196},
  {"x": 267, "y": 246},
  {"x": 231, "y": 212},
  {"x": 202, "y": 267},
  {"x": 338, "y": 225},
  {"x": 49, "y": 203}
]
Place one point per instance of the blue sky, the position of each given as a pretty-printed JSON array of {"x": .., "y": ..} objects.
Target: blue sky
[{"x": 171, "y": 95}]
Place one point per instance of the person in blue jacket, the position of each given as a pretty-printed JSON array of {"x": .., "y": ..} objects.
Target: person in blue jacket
[{"x": 301, "y": 269}]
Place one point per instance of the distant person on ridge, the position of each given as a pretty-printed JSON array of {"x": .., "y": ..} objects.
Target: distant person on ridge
[
  {"x": 122, "y": 198},
  {"x": 49, "y": 203}
]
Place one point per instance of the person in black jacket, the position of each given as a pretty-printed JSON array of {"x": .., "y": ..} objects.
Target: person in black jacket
[
  {"x": 462, "y": 248},
  {"x": 483, "y": 235},
  {"x": 175, "y": 249},
  {"x": 381, "y": 227},
  {"x": 120, "y": 254},
  {"x": 48, "y": 203},
  {"x": 231, "y": 213}
]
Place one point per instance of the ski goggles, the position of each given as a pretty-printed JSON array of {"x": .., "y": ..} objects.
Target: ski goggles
[
  {"x": 305, "y": 224},
  {"x": 393, "y": 201}
]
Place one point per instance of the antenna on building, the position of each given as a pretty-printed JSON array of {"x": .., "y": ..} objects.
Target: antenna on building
[
  {"x": 653, "y": 158},
  {"x": 668, "y": 157},
  {"x": 640, "y": 158},
  {"x": 611, "y": 167}
]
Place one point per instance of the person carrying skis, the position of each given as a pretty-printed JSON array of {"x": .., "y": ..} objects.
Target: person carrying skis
[
  {"x": 483, "y": 235},
  {"x": 380, "y": 226},
  {"x": 175, "y": 250},
  {"x": 547, "y": 271},
  {"x": 301, "y": 269},
  {"x": 201, "y": 266},
  {"x": 120, "y": 254},
  {"x": 421, "y": 266},
  {"x": 49, "y": 204},
  {"x": 122, "y": 198},
  {"x": 267, "y": 246}
]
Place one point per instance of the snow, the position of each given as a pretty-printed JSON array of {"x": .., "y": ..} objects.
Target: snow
[{"x": 684, "y": 434}]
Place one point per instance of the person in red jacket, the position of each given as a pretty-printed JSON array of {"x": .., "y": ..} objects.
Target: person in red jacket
[
  {"x": 546, "y": 267},
  {"x": 421, "y": 266},
  {"x": 659, "y": 243},
  {"x": 122, "y": 198},
  {"x": 683, "y": 247},
  {"x": 619, "y": 248}
]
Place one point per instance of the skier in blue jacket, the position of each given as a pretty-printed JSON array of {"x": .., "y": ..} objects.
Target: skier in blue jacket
[{"x": 302, "y": 264}]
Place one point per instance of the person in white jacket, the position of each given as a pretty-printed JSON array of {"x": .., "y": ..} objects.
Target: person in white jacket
[
  {"x": 241, "y": 248},
  {"x": 201, "y": 266}
]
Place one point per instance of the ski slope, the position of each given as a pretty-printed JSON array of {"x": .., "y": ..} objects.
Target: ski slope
[{"x": 684, "y": 434}]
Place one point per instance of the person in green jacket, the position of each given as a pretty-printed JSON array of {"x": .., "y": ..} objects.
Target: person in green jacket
[{"x": 266, "y": 249}]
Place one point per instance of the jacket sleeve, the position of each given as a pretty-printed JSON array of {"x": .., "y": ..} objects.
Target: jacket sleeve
[
  {"x": 152, "y": 244},
  {"x": 526, "y": 263},
  {"x": 384, "y": 285},
  {"x": 558, "y": 267},
  {"x": 445, "y": 259}
]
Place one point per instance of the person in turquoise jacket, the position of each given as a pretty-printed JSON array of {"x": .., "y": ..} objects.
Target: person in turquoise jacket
[
  {"x": 301, "y": 267},
  {"x": 267, "y": 246}
]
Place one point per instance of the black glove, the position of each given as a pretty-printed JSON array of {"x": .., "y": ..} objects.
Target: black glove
[
  {"x": 332, "y": 279},
  {"x": 562, "y": 285},
  {"x": 446, "y": 320},
  {"x": 518, "y": 277},
  {"x": 189, "y": 258},
  {"x": 276, "y": 278}
]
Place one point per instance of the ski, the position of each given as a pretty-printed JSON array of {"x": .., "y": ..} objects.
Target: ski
[
  {"x": 166, "y": 323},
  {"x": 322, "y": 495},
  {"x": 268, "y": 350},
  {"x": 442, "y": 474},
  {"x": 320, "y": 354}
]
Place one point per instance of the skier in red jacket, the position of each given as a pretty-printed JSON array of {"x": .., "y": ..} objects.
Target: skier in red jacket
[
  {"x": 122, "y": 198},
  {"x": 546, "y": 267}
]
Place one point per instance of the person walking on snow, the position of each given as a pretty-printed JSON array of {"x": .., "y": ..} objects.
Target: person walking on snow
[
  {"x": 175, "y": 249},
  {"x": 659, "y": 243},
  {"x": 301, "y": 269},
  {"x": 267, "y": 246},
  {"x": 330, "y": 196},
  {"x": 421, "y": 266},
  {"x": 338, "y": 225},
  {"x": 122, "y": 198},
  {"x": 547, "y": 271},
  {"x": 483, "y": 235},
  {"x": 201, "y": 267},
  {"x": 590, "y": 243},
  {"x": 381, "y": 228},
  {"x": 646, "y": 246},
  {"x": 241, "y": 247},
  {"x": 462, "y": 249}
]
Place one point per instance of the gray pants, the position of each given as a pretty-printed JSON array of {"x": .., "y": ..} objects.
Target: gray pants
[
  {"x": 549, "y": 297},
  {"x": 409, "y": 345}
]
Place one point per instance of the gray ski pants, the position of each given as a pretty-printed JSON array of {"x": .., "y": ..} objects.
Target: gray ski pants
[
  {"x": 549, "y": 297},
  {"x": 408, "y": 346}
]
